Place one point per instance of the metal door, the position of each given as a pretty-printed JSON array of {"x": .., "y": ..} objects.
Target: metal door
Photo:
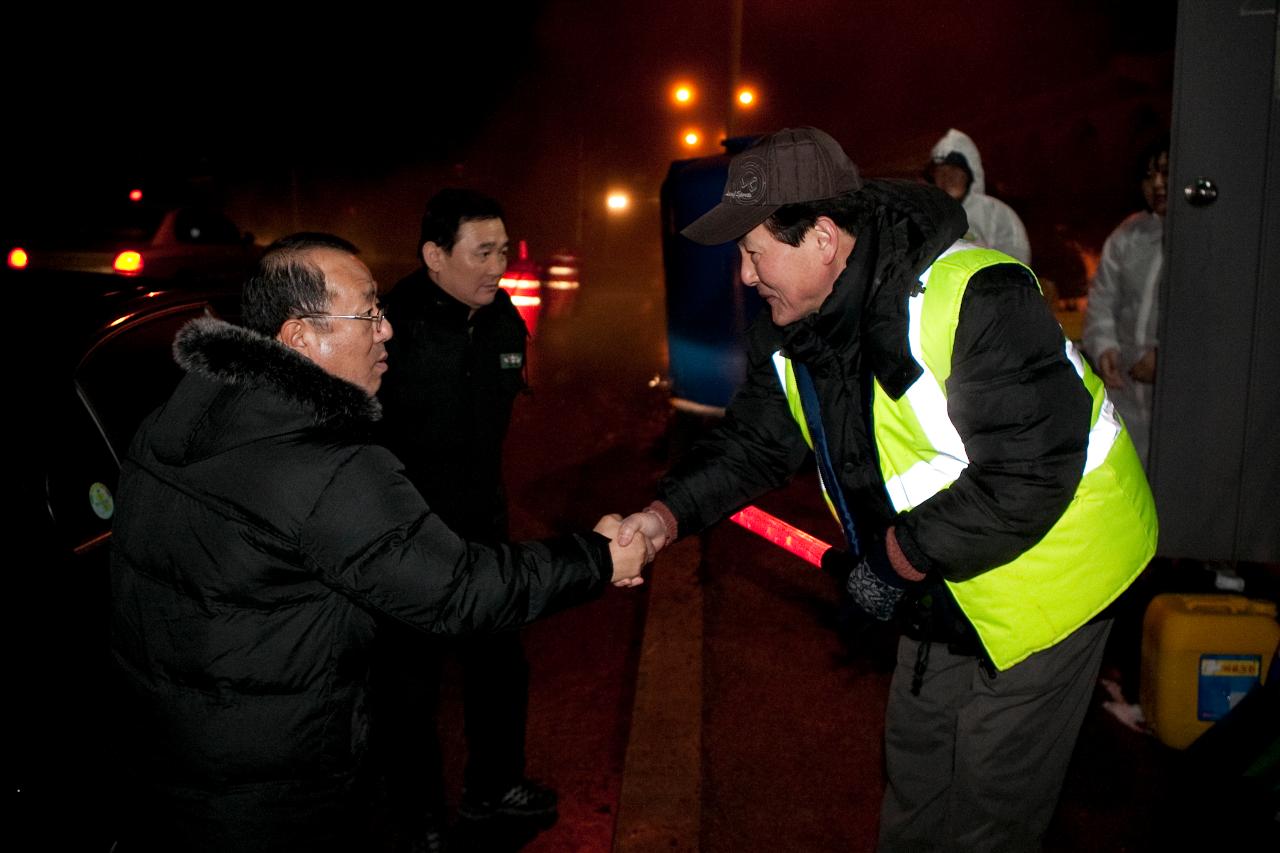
[{"x": 1216, "y": 425}]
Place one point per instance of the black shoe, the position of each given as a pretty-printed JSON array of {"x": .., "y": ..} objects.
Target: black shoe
[
  {"x": 526, "y": 799},
  {"x": 434, "y": 840}
]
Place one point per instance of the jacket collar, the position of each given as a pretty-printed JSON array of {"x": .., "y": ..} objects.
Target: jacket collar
[
  {"x": 867, "y": 310},
  {"x": 234, "y": 355},
  {"x": 417, "y": 293}
]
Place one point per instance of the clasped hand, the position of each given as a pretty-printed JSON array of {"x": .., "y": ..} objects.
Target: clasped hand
[{"x": 629, "y": 556}]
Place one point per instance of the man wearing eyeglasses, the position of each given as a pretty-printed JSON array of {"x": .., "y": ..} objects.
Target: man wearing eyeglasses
[
  {"x": 260, "y": 543},
  {"x": 356, "y": 352},
  {"x": 457, "y": 367}
]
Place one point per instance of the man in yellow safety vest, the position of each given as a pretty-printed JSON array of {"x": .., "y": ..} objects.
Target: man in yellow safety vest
[{"x": 989, "y": 495}]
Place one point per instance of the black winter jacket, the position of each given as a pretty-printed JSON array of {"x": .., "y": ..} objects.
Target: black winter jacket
[
  {"x": 447, "y": 400},
  {"x": 257, "y": 533},
  {"x": 1014, "y": 397}
]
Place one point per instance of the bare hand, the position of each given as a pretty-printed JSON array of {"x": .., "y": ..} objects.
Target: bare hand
[
  {"x": 607, "y": 526},
  {"x": 1144, "y": 370},
  {"x": 651, "y": 528},
  {"x": 628, "y": 560},
  {"x": 1109, "y": 367}
]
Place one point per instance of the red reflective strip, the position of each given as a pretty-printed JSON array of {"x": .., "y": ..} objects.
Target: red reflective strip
[{"x": 803, "y": 545}]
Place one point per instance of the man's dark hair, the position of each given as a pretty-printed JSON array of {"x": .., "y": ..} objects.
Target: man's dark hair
[
  {"x": 448, "y": 209},
  {"x": 791, "y": 222},
  {"x": 1150, "y": 154},
  {"x": 287, "y": 283}
]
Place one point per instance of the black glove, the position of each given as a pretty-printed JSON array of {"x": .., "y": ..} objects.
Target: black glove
[{"x": 871, "y": 582}]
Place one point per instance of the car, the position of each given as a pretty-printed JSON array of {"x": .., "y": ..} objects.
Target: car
[
  {"x": 90, "y": 362},
  {"x": 128, "y": 234}
]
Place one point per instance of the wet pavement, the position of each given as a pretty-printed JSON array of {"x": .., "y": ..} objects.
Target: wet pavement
[{"x": 719, "y": 707}]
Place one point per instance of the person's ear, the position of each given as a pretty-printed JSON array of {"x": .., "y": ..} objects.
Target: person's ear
[
  {"x": 826, "y": 236},
  {"x": 294, "y": 333},
  {"x": 433, "y": 256}
]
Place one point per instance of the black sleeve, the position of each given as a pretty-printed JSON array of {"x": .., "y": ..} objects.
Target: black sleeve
[
  {"x": 1023, "y": 414},
  {"x": 754, "y": 450},
  {"x": 372, "y": 537}
]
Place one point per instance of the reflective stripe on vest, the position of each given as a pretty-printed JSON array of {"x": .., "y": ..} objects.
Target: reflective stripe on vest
[
  {"x": 925, "y": 477},
  {"x": 1095, "y": 549}
]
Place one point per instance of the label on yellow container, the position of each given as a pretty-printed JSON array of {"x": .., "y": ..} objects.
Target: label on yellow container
[{"x": 1224, "y": 681}]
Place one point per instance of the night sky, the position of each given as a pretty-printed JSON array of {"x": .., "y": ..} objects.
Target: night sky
[{"x": 349, "y": 122}]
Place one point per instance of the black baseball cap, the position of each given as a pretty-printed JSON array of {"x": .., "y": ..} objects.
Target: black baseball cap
[{"x": 787, "y": 167}]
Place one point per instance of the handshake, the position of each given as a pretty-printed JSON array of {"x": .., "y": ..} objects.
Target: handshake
[{"x": 633, "y": 543}]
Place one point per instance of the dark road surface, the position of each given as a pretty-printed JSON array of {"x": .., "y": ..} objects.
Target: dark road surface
[{"x": 722, "y": 687}]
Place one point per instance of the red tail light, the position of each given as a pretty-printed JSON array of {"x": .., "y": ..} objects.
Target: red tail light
[
  {"x": 128, "y": 263},
  {"x": 18, "y": 258}
]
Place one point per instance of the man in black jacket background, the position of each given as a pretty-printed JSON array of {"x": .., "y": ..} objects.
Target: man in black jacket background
[{"x": 459, "y": 357}]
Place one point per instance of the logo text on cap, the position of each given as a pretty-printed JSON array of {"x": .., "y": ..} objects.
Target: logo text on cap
[{"x": 749, "y": 174}]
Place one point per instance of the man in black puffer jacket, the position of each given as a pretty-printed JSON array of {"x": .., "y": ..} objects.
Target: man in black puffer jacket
[{"x": 258, "y": 533}]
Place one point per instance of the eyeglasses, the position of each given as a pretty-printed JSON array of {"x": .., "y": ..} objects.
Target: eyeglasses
[{"x": 375, "y": 319}]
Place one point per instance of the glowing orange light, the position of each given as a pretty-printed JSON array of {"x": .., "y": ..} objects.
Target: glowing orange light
[
  {"x": 617, "y": 201},
  {"x": 746, "y": 97},
  {"x": 18, "y": 258},
  {"x": 691, "y": 138},
  {"x": 682, "y": 94},
  {"x": 561, "y": 275},
  {"x": 128, "y": 262},
  {"x": 805, "y": 546},
  {"x": 135, "y": 195},
  {"x": 519, "y": 281}
]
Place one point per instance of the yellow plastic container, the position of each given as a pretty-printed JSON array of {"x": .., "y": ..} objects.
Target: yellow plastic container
[{"x": 1200, "y": 655}]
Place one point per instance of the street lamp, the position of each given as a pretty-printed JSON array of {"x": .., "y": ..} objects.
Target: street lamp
[
  {"x": 682, "y": 94},
  {"x": 617, "y": 201},
  {"x": 746, "y": 97},
  {"x": 691, "y": 138}
]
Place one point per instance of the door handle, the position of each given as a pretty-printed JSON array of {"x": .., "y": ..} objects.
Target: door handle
[{"x": 1201, "y": 192}]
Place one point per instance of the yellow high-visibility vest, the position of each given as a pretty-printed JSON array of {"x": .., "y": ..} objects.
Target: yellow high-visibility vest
[{"x": 1099, "y": 545}]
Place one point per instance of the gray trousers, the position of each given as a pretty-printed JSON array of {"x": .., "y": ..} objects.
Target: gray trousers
[{"x": 976, "y": 763}]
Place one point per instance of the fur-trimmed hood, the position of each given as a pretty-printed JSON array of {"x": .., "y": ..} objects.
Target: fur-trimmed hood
[{"x": 241, "y": 385}]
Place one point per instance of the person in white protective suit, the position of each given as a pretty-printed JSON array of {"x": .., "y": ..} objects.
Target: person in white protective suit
[
  {"x": 955, "y": 166},
  {"x": 1120, "y": 322}
]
